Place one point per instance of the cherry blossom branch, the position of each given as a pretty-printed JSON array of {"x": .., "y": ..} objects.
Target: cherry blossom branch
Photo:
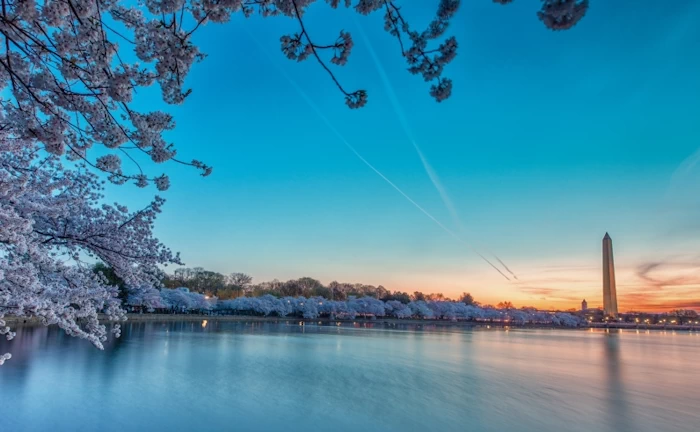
[{"x": 343, "y": 46}]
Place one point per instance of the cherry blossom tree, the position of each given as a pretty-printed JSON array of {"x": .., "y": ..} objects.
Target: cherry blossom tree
[
  {"x": 367, "y": 306},
  {"x": 147, "y": 297},
  {"x": 52, "y": 221},
  {"x": 420, "y": 309},
  {"x": 176, "y": 298},
  {"x": 69, "y": 70},
  {"x": 184, "y": 300}
]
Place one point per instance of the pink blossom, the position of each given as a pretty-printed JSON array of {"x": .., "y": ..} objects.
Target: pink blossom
[
  {"x": 562, "y": 14},
  {"x": 109, "y": 163},
  {"x": 162, "y": 182},
  {"x": 4, "y": 358}
]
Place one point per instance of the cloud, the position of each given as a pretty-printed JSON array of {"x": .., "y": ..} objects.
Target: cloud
[
  {"x": 678, "y": 304},
  {"x": 650, "y": 285},
  {"x": 656, "y": 273},
  {"x": 662, "y": 285},
  {"x": 564, "y": 268},
  {"x": 552, "y": 294},
  {"x": 538, "y": 291},
  {"x": 657, "y": 302}
]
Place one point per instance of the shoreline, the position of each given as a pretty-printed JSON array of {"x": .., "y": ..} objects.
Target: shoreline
[{"x": 379, "y": 321}]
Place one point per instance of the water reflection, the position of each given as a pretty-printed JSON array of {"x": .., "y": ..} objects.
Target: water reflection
[
  {"x": 212, "y": 375},
  {"x": 618, "y": 412}
]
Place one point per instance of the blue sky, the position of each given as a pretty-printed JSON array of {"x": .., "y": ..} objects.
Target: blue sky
[{"x": 548, "y": 141}]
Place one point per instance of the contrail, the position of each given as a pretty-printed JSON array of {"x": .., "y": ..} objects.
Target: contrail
[
  {"x": 504, "y": 265},
  {"x": 409, "y": 134},
  {"x": 342, "y": 139}
]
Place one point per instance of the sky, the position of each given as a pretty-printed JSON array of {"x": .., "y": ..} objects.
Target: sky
[{"x": 550, "y": 140}]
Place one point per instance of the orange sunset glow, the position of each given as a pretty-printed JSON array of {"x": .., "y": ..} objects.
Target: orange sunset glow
[{"x": 647, "y": 287}]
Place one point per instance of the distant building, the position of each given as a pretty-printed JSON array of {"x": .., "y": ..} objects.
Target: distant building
[
  {"x": 584, "y": 305},
  {"x": 609, "y": 288}
]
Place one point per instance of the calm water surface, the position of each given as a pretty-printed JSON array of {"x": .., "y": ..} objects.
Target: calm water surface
[{"x": 188, "y": 376}]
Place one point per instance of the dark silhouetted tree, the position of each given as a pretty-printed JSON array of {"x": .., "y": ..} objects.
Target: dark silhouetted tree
[{"x": 467, "y": 299}]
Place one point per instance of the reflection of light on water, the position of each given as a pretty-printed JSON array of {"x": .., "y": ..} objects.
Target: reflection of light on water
[
  {"x": 529, "y": 380},
  {"x": 204, "y": 323}
]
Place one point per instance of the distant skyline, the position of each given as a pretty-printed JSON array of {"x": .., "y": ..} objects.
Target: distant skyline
[{"x": 550, "y": 140}]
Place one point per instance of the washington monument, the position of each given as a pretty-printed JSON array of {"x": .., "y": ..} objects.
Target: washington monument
[{"x": 609, "y": 289}]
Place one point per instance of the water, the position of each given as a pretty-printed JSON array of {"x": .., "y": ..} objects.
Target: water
[{"x": 187, "y": 376}]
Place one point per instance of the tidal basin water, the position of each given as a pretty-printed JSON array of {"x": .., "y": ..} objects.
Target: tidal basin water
[{"x": 216, "y": 376}]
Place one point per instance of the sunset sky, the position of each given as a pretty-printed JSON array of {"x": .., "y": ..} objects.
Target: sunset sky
[{"x": 548, "y": 141}]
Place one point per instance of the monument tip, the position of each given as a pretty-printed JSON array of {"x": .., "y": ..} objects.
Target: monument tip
[{"x": 607, "y": 236}]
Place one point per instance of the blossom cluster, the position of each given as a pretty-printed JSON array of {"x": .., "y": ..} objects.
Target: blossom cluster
[
  {"x": 562, "y": 14},
  {"x": 559, "y": 14}
]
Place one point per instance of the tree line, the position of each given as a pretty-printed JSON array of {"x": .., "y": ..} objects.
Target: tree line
[
  {"x": 195, "y": 291},
  {"x": 234, "y": 285},
  {"x": 182, "y": 300}
]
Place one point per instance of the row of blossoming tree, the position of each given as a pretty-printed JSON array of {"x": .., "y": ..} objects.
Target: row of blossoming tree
[
  {"x": 69, "y": 72},
  {"x": 184, "y": 300}
]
